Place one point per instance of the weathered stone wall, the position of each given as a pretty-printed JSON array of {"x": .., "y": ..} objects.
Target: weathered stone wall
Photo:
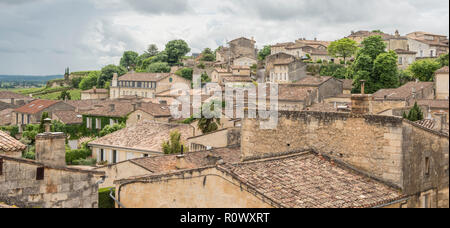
[
  {"x": 419, "y": 146},
  {"x": 330, "y": 88},
  {"x": 60, "y": 188},
  {"x": 207, "y": 188},
  {"x": 368, "y": 143},
  {"x": 119, "y": 171}
]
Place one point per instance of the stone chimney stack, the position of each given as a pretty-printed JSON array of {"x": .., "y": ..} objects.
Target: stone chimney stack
[
  {"x": 115, "y": 80},
  {"x": 361, "y": 103},
  {"x": 12, "y": 101},
  {"x": 51, "y": 148},
  {"x": 95, "y": 89},
  {"x": 134, "y": 107}
]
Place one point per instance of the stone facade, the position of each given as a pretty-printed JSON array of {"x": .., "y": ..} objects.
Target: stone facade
[
  {"x": 386, "y": 148},
  {"x": 284, "y": 68},
  {"x": 441, "y": 81},
  {"x": 57, "y": 188},
  {"x": 218, "y": 139}
]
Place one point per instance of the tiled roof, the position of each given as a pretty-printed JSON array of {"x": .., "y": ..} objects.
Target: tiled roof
[
  {"x": 9, "y": 95},
  {"x": 313, "y": 81},
  {"x": 111, "y": 109},
  {"x": 144, "y": 77},
  {"x": 427, "y": 123},
  {"x": 4, "y": 105},
  {"x": 36, "y": 106},
  {"x": 143, "y": 136},
  {"x": 240, "y": 67},
  {"x": 306, "y": 180},
  {"x": 347, "y": 84},
  {"x": 165, "y": 164},
  {"x": 69, "y": 117},
  {"x": 10, "y": 144},
  {"x": 5, "y": 116},
  {"x": 443, "y": 70},
  {"x": 283, "y": 44},
  {"x": 221, "y": 70},
  {"x": 154, "y": 109},
  {"x": 95, "y": 91},
  {"x": 292, "y": 92},
  {"x": 283, "y": 61},
  {"x": 403, "y": 92},
  {"x": 385, "y": 36},
  {"x": 436, "y": 104}
]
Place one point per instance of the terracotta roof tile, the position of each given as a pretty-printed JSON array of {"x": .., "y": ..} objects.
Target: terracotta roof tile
[
  {"x": 402, "y": 92},
  {"x": 10, "y": 144},
  {"x": 144, "y": 136},
  {"x": 9, "y": 95},
  {"x": 144, "y": 77},
  {"x": 69, "y": 117},
  {"x": 166, "y": 164},
  {"x": 36, "y": 106},
  {"x": 313, "y": 81},
  {"x": 4, "y": 106},
  {"x": 306, "y": 180},
  {"x": 154, "y": 109}
]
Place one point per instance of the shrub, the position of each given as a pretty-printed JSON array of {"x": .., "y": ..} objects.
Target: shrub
[
  {"x": 104, "y": 200},
  {"x": 85, "y": 162},
  {"x": 74, "y": 155}
]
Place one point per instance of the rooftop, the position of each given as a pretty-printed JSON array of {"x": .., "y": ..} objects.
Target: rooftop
[
  {"x": 111, "y": 109},
  {"x": 69, "y": 117},
  {"x": 36, "y": 106},
  {"x": 402, "y": 92},
  {"x": 9, "y": 95},
  {"x": 144, "y": 77},
  {"x": 144, "y": 136},
  {"x": 4, "y": 105},
  {"x": 347, "y": 84},
  {"x": 434, "y": 104},
  {"x": 313, "y": 80},
  {"x": 10, "y": 144},
  {"x": 154, "y": 109},
  {"x": 307, "y": 180}
]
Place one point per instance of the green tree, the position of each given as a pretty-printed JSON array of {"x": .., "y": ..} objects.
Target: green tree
[
  {"x": 372, "y": 46},
  {"x": 108, "y": 129},
  {"x": 209, "y": 121},
  {"x": 385, "y": 72},
  {"x": 443, "y": 60},
  {"x": 76, "y": 82},
  {"x": 362, "y": 70},
  {"x": 152, "y": 50},
  {"x": 263, "y": 53},
  {"x": 205, "y": 78},
  {"x": 176, "y": 49},
  {"x": 64, "y": 95},
  {"x": 343, "y": 48},
  {"x": 174, "y": 145},
  {"x": 129, "y": 60},
  {"x": 415, "y": 114},
  {"x": 107, "y": 73},
  {"x": 186, "y": 73},
  {"x": 41, "y": 124},
  {"x": 424, "y": 69},
  {"x": 159, "y": 67},
  {"x": 90, "y": 81},
  {"x": 208, "y": 55}
]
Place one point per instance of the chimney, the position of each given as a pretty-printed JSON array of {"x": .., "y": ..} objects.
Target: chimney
[
  {"x": 363, "y": 85},
  {"x": 12, "y": 101},
  {"x": 112, "y": 107},
  {"x": 181, "y": 161},
  {"x": 315, "y": 38},
  {"x": 134, "y": 107},
  {"x": 47, "y": 124},
  {"x": 51, "y": 148},
  {"x": 397, "y": 34},
  {"x": 95, "y": 89}
]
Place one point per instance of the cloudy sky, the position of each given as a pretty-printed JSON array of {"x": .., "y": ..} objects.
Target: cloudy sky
[{"x": 42, "y": 37}]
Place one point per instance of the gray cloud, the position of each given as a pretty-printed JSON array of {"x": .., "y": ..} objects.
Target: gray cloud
[{"x": 45, "y": 36}]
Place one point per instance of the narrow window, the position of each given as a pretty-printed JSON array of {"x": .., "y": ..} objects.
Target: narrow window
[
  {"x": 1, "y": 166},
  {"x": 40, "y": 173},
  {"x": 102, "y": 155},
  {"x": 427, "y": 166},
  {"x": 114, "y": 160},
  {"x": 426, "y": 201}
]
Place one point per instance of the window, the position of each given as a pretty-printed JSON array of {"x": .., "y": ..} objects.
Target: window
[
  {"x": 28, "y": 119},
  {"x": 426, "y": 201},
  {"x": 400, "y": 60},
  {"x": 40, "y": 173},
  {"x": 114, "y": 156},
  {"x": 102, "y": 155},
  {"x": 427, "y": 166},
  {"x": 431, "y": 53},
  {"x": 145, "y": 155},
  {"x": 98, "y": 124},
  {"x": 170, "y": 80},
  {"x": 421, "y": 53},
  {"x": 111, "y": 122},
  {"x": 139, "y": 117}
]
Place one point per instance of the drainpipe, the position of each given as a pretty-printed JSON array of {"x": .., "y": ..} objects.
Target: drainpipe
[{"x": 114, "y": 198}]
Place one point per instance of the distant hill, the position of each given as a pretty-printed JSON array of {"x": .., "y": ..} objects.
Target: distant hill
[{"x": 28, "y": 78}]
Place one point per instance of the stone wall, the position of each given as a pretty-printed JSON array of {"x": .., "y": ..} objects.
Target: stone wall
[
  {"x": 58, "y": 188},
  {"x": 203, "y": 188},
  {"x": 368, "y": 143},
  {"x": 119, "y": 171}
]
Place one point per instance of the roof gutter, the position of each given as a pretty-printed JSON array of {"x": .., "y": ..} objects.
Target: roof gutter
[{"x": 392, "y": 203}]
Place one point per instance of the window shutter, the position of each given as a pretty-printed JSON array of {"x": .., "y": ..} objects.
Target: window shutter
[
  {"x": 110, "y": 160},
  {"x": 98, "y": 155},
  {"x": 104, "y": 155}
]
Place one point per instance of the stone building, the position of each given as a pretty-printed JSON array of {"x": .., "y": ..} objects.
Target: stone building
[
  {"x": 427, "y": 45},
  {"x": 14, "y": 98},
  {"x": 145, "y": 85},
  {"x": 245, "y": 61},
  {"x": 10, "y": 146},
  {"x": 302, "y": 48},
  {"x": 404, "y": 96},
  {"x": 143, "y": 139},
  {"x": 240, "y": 51},
  {"x": 327, "y": 86},
  {"x": 395, "y": 151},
  {"x": 291, "y": 180},
  {"x": 168, "y": 163},
  {"x": 284, "y": 68},
  {"x": 95, "y": 94},
  {"x": 47, "y": 182},
  {"x": 224, "y": 137},
  {"x": 441, "y": 83},
  {"x": 31, "y": 113},
  {"x": 149, "y": 112}
]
